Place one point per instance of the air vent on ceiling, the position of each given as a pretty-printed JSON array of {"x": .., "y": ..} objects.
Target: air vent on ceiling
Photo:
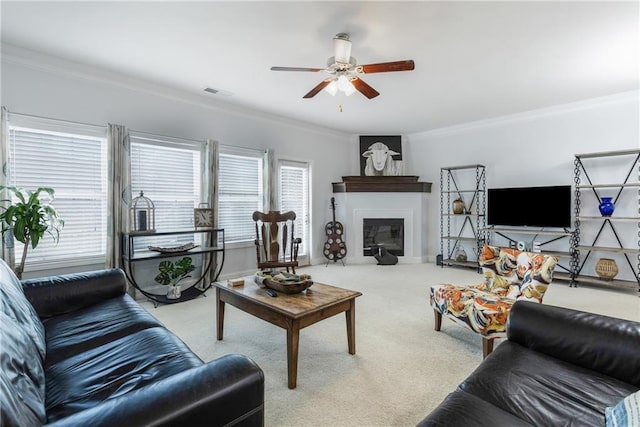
[{"x": 217, "y": 91}]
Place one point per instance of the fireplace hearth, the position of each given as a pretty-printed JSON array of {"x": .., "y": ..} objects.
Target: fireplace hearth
[{"x": 388, "y": 232}]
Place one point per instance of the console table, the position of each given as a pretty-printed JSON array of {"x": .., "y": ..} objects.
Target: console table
[{"x": 134, "y": 249}]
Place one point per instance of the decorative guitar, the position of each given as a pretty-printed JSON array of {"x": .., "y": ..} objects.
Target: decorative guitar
[{"x": 334, "y": 248}]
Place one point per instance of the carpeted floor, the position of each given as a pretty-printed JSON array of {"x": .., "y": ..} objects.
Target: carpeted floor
[{"x": 402, "y": 368}]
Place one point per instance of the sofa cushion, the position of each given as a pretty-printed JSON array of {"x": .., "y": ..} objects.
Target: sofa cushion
[
  {"x": 543, "y": 390},
  {"x": 463, "y": 409},
  {"x": 91, "y": 327},
  {"x": 114, "y": 369},
  {"x": 14, "y": 304},
  {"x": 22, "y": 384}
]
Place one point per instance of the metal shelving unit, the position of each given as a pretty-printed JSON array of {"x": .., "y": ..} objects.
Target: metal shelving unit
[
  {"x": 627, "y": 251},
  {"x": 465, "y": 230}
]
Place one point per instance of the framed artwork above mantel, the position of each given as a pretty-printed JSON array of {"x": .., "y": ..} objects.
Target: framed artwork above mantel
[{"x": 375, "y": 149}]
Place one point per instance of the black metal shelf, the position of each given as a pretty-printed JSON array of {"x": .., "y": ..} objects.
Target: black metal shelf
[
  {"x": 582, "y": 252},
  {"x": 213, "y": 247},
  {"x": 147, "y": 254},
  {"x": 454, "y": 233}
]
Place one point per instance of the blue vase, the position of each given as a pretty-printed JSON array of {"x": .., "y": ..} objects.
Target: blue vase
[{"x": 606, "y": 206}]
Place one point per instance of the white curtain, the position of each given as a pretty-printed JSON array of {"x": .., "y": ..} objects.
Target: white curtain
[
  {"x": 270, "y": 172},
  {"x": 8, "y": 253},
  {"x": 209, "y": 191},
  {"x": 119, "y": 191}
]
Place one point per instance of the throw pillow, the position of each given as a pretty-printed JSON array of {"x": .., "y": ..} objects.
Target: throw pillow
[{"x": 626, "y": 413}]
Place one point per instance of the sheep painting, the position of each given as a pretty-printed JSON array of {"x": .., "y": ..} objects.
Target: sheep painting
[{"x": 380, "y": 161}]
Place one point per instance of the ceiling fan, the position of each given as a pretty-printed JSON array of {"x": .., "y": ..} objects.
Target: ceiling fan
[{"x": 344, "y": 72}]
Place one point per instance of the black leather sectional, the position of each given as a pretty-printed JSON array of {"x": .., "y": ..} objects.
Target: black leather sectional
[
  {"x": 98, "y": 359},
  {"x": 558, "y": 367}
]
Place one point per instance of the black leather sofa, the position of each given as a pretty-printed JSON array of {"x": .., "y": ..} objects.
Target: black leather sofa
[
  {"x": 78, "y": 351},
  {"x": 558, "y": 367}
]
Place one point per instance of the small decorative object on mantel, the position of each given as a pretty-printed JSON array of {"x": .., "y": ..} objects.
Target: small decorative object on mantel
[
  {"x": 172, "y": 274},
  {"x": 203, "y": 217},
  {"x": 143, "y": 214},
  {"x": 606, "y": 207},
  {"x": 458, "y": 206},
  {"x": 606, "y": 268}
]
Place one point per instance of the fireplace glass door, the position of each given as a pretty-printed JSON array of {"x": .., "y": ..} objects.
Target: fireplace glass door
[{"x": 387, "y": 232}]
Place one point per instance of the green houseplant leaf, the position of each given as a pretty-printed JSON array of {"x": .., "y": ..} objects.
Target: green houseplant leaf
[
  {"x": 29, "y": 219},
  {"x": 172, "y": 273}
]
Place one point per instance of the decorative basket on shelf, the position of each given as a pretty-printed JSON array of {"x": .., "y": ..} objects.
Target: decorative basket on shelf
[{"x": 606, "y": 268}]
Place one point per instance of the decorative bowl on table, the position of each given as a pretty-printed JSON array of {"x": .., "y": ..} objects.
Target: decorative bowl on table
[
  {"x": 173, "y": 249},
  {"x": 284, "y": 282}
]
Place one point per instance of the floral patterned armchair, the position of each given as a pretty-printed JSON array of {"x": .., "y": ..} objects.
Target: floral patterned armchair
[{"x": 510, "y": 275}]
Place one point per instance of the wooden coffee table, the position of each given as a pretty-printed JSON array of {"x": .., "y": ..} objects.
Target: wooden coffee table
[{"x": 291, "y": 312}]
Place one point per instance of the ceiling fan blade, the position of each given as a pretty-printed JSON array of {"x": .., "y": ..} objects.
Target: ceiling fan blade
[
  {"x": 313, "y": 92},
  {"x": 296, "y": 69},
  {"x": 384, "y": 67},
  {"x": 364, "y": 88}
]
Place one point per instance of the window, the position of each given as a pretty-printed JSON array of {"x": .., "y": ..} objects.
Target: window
[
  {"x": 169, "y": 172},
  {"x": 72, "y": 159},
  {"x": 241, "y": 192},
  {"x": 294, "y": 187}
]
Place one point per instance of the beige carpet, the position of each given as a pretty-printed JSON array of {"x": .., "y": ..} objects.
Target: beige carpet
[{"x": 402, "y": 368}]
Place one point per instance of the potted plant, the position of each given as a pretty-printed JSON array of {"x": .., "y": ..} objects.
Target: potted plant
[
  {"x": 172, "y": 273},
  {"x": 29, "y": 219}
]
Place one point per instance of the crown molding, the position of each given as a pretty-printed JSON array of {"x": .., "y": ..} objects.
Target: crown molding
[
  {"x": 39, "y": 61},
  {"x": 622, "y": 97}
]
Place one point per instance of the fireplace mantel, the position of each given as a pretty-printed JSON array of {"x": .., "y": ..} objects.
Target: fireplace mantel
[{"x": 383, "y": 184}]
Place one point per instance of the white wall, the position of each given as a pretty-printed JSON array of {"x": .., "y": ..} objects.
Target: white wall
[
  {"x": 529, "y": 149},
  {"x": 534, "y": 148},
  {"x": 44, "y": 86}
]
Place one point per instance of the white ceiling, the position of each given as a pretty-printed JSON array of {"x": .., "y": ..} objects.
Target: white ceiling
[{"x": 474, "y": 60}]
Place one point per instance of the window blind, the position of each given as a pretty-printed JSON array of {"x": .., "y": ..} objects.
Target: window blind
[
  {"x": 74, "y": 164},
  {"x": 294, "y": 196},
  {"x": 241, "y": 190},
  {"x": 169, "y": 173}
]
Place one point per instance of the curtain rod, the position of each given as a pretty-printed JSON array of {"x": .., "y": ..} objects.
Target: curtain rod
[
  {"x": 33, "y": 116},
  {"x": 131, "y": 130},
  {"x": 155, "y": 137}
]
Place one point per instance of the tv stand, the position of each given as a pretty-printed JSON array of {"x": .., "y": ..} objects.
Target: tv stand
[{"x": 550, "y": 236}]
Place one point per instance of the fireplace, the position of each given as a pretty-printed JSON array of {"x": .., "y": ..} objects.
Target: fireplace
[
  {"x": 388, "y": 232},
  {"x": 404, "y": 198}
]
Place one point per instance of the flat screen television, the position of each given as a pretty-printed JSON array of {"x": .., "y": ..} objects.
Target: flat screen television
[{"x": 530, "y": 206}]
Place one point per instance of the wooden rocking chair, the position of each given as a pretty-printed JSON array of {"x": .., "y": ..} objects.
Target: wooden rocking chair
[{"x": 275, "y": 245}]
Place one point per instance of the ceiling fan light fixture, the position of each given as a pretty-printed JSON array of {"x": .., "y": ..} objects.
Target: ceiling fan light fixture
[
  {"x": 350, "y": 89},
  {"x": 344, "y": 85},
  {"x": 342, "y": 48},
  {"x": 332, "y": 88}
]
